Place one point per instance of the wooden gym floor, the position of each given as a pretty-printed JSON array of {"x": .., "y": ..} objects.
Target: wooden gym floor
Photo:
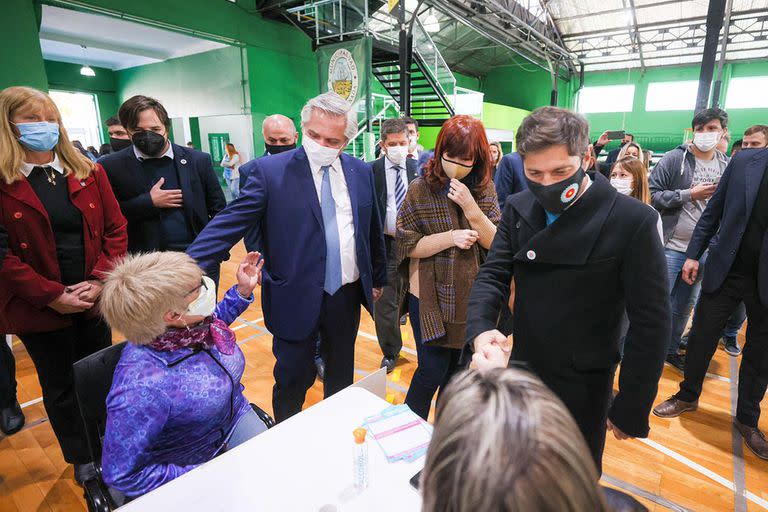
[{"x": 690, "y": 463}]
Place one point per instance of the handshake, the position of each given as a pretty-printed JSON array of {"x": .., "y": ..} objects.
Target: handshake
[{"x": 492, "y": 350}]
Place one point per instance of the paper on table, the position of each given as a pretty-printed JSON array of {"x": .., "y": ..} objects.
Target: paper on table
[{"x": 400, "y": 433}]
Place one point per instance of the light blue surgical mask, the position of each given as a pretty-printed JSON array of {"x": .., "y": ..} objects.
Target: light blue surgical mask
[{"x": 41, "y": 136}]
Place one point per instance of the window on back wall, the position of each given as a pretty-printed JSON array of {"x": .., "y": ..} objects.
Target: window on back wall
[
  {"x": 747, "y": 92},
  {"x": 608, "y": 98},
  {"x": 671, "y": 96}
]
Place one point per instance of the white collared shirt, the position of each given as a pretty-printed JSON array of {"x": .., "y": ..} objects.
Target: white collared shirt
[
  {"x": 26, "y": 168},
  {"x": 390, "y": 220},
  {"x": 141, "y": 156},
  {"x": 344, "y": 219}
]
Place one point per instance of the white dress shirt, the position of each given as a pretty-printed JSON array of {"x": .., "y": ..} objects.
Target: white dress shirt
[
  {"x": 391, "y": 219},
  {"x": 344, "y": 219},
  {"x": 26, "y": 168}
]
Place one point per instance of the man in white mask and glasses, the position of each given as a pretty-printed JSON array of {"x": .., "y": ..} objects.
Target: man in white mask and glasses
[
  {"x": 322, "y": 245},
  {"x": 392, "y": 174},
  {"x": 681, "y": 184}
]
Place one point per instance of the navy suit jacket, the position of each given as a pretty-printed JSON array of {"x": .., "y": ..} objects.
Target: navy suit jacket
[
  {"x": 724, "y": 221},
  {"x": 280, "y": 196},
  {"x": 510, "y": 177},
  {"x": 380, "y": 182},
  {"x": 252, "y": 237},
  {"x": 200, "y": 189}
]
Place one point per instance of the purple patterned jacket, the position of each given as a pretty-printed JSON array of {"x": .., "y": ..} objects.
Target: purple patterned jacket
[{"x": 164, "y": 420}]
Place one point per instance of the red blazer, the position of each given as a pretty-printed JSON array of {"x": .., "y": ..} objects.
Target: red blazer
[{"x": 30, "y": 278}]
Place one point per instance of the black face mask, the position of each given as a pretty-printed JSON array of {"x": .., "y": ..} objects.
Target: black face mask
[
  {"x": 148, "y": 142},
  {"x": 118, "y": 144},
  {"x": 555, "y": 198},
  {"x": 274, "y": 150}
]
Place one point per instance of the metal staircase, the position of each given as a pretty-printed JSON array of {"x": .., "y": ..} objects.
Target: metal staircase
[{"x": 433, "y": 85}]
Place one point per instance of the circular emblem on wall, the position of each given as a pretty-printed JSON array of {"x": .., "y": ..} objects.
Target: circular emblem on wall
[
  {"x": 342, "y": 75},
  {"x": 569, "y": 193}
]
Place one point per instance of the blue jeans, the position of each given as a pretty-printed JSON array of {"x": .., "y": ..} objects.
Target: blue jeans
[
  {"x": 436, "y": 366},
  {"x": 234, "y": 187},
  {"x": 683, "y": 296},
  {"x": 249, "y": 426}
]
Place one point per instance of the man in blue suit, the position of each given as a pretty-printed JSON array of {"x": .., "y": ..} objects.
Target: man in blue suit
[
  {"x": 323, "y": 250},
  {"x": 733, "y": 227},
  {"x": 510, "y": 177}
]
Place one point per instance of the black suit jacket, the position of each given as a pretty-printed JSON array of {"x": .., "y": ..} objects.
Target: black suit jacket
[
  {"x": 380, "y": 182},
  {"x": 201, "y": 194},
  {"x": 721, "y": 229},
  {"x": 574, "y": 279}
]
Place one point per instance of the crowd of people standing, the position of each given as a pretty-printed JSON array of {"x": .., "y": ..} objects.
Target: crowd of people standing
[{"x": 543, "y": 258}]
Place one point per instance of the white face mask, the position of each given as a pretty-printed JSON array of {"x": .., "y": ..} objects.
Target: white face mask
[
  {"x": 397, "y": 154},
  {"x": 412, "y": 141},
  {"x": 205, "y": 303},
  {"x": 622, "y": 185},
  {"x": 455, "y": 170},
  {"x": 317, "y": 153},
  {"x": 705, "y": 141}
]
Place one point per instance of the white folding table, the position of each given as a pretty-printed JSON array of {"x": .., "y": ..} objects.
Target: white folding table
[{"x": 302, "y": 464}]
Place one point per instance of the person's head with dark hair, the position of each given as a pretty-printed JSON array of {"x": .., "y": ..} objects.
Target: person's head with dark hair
[
  {"x": 554, "y": 145},
  {"x": 191, "y": 145},
  {"x": 628, "y": 137},
  {"x": 394, "y": 140},
  {"x": 461, "y": 152},
  {"x": 755, "y": 137},
  {"x": 709, "y": 127},
  {"x": 736, "y": 147},
  {"x": 413, "y": 133},
  {"x": 118, "y": 136},
  {"x": 147, "y": 122}
]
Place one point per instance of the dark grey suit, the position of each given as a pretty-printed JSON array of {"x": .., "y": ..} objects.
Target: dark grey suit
[{"x": 386, "y": 315}]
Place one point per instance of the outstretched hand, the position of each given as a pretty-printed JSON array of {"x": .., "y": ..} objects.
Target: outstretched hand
[{"x": 249, "y": 273}]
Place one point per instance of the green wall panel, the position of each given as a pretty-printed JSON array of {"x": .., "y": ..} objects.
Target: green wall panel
[
  {"x": 203, "y": 84},
  {"x": 64, "y": 76},
  {"x": 22, "y": 61},
  {"x": 526, "y": 87}
]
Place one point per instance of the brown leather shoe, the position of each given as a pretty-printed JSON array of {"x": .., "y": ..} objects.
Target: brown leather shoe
[
  {"x": 754, "y": 438},
  {"x": 672, "y": 408}
]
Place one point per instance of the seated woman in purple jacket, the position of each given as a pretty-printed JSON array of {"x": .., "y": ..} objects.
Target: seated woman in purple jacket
[{"x": 176, "y": 399}]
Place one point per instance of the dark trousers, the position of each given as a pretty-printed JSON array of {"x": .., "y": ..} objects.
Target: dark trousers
[
  {"x": 54, "y": 353},
  {"x": 436, "y": 366},
  {"x": 712, "y": 313},
  {"x": 386, "y": 312},
  {"x": 7, "y": 375},
  {"x": 295, "y": 368}
]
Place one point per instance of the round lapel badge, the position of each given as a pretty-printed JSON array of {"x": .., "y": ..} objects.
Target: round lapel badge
[
  {"x": 569, "y": 193},
  {"x": 531, "y": 255},
  {"x": 183, "y": 161}
]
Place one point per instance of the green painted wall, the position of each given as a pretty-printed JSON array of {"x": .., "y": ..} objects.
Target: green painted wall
[
  {"x": 22, "y": 61},
  {"x": 525, "y": 87},
  {"x": 661, "y": 131},
  {"x": 63, "y": 76},
  {"x": 503, "y": 117},
  {"x": 204, "y": 84}
]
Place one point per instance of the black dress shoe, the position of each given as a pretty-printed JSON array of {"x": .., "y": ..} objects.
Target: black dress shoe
[
  {"x": 320, "y": 365},
  {"x": 84, "y": 472},
  {"x": 11, "y": 419},
  {"x": 389, "y": 363},
  {"x": 677, "y": 361}
]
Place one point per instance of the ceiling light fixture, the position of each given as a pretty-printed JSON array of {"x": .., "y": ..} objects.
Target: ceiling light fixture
[{"x": 86, "y": 70}]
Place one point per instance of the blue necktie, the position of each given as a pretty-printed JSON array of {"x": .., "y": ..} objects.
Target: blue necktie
[
  {"x": 399, "y": 188},
  {"x": 332, "y": 244}
]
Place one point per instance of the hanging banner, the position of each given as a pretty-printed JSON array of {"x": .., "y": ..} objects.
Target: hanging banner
[{"x": 345, "y": 68}]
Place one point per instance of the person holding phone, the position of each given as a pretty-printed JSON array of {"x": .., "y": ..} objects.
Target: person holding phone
[
  {"x": 681, "y": 184},
  {"x": 444, "y": 228}
]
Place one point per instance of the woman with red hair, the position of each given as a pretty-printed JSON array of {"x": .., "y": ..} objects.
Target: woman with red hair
[{"x": 444, "y": 227}]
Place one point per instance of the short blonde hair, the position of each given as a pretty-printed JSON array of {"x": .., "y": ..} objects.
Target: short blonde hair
[
  {"x": 504, "y": 442},
  {"x": 142, "y": 288},
  {"x": 15, "y": 99}
]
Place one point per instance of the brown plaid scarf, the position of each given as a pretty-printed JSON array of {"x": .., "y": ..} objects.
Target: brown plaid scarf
[{"x": 446, "y": 278}]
